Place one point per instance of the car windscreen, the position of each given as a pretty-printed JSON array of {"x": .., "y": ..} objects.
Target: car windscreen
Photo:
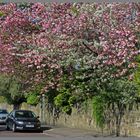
[
  {"x": 24, "y": 114},
  {"x": 3, "y": 112}
]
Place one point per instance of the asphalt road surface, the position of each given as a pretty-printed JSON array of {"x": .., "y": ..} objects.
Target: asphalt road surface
[
  {"x": 49, "y": 133},
  {"x": 5, "y": 133}
]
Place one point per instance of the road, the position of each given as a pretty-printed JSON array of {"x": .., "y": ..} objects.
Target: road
[
  {"x": 49, "y": 133},
  {"x": 5, "y": 133}
]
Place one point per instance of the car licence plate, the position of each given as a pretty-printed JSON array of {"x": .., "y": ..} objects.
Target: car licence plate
[{"x": 29, "y": 125}]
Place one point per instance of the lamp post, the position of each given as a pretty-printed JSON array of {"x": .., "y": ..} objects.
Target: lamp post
[{"x": 42, "y": 108}]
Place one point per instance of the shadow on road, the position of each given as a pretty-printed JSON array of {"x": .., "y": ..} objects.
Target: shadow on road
[{"x": 43, "y": 128}]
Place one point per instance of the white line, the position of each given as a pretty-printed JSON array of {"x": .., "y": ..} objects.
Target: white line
[{"x": 50, "y": 130}]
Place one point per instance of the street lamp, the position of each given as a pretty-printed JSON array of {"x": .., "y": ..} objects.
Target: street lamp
[{"x": 42, "y": 108}]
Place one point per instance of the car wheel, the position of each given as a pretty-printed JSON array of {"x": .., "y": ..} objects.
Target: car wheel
[{"x": 14, "y": 127}]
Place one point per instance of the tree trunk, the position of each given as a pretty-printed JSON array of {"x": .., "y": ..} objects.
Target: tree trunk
[
  {"x": 16, "y": 106},
  {"x": 117, "y": 129},
  {"x": 118, "y": 125}
]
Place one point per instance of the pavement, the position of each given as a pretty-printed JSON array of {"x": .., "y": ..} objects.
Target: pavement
[
  {"x": 69, "y": 132},
  {"x": 73, "y": 133}
]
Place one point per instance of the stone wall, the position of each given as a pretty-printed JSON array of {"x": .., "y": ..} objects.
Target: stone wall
[
  {"x": 78, "y": 119},
  {"x": 130, "y": 125}
]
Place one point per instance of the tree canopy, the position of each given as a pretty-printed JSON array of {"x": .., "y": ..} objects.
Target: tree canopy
[{"x": 71, "y": 52}]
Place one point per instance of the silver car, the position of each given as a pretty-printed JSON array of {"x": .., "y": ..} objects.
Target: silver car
[{"x": 3, "y": 116}]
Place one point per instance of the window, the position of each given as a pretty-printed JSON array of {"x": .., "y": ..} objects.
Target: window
[
  {"x": 24, "y": 114},
  {"x": 3, "y": 111}
]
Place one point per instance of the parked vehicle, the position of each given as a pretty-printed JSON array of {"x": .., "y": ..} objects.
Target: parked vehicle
[
  {"x": 22, "y": 120},
  {"x": 3, "y": 116}
]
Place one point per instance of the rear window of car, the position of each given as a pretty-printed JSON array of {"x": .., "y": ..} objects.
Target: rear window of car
[
  {"x": 3, "y": 111},
  {"x": 24, "y": 114}
]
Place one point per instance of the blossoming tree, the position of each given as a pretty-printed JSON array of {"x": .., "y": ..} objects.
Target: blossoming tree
[{"x": 38, "y": 40}]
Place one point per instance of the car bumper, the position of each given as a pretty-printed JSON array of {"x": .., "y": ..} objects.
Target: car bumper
[
  {"x": 2, "y": 121},
  {"x": 24, "y": 127}
]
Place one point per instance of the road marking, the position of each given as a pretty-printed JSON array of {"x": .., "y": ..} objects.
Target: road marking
[{"x": 50, "y": 130}]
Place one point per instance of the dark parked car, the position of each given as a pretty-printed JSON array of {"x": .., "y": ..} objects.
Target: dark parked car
[
  {"x": 22, "y": 120},
  {"x": 3, "y": 116}
]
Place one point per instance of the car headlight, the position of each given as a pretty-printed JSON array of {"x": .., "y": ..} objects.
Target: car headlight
[{"x": 19, "y": 122}]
